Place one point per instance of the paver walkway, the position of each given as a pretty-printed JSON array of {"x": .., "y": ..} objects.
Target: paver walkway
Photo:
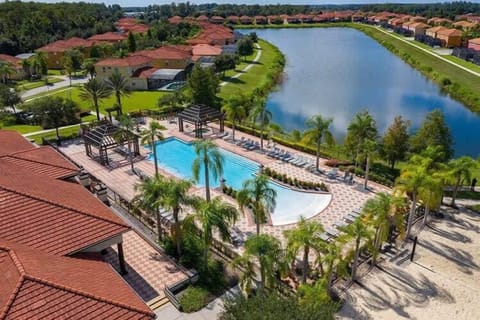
[
  {"x": 250, "y": 65},
  {"x": 149, "y": 271}
]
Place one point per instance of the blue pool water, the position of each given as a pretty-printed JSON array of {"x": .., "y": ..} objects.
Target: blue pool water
[{"x": 176, "y": 157}]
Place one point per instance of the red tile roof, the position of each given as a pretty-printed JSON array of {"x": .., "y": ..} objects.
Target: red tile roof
[
  {"x": 450, "y": 32},
  {"x": 175, "y": 19},
  {"x": 44, "y": 161},
  {"x": 55, "y": 216},
  {"x": 37, "y": 285},
  {"x": 167, "y": 53},
  {"x": 206, "y": 50},
  {"x": 475, "y": 41},
  {"x": 130, "y": 61},
  {"x": 144, "y": 73},
  {"x": 109, "y": 37},
  {"x": 11, "y": 141},
  {"x": 16, "y": 62},
  {"x": 64, "y": 45},
  {"x": 202, "y": 18}
]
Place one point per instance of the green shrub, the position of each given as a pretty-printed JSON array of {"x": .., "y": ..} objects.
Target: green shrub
[
  {"x": 445, "y": 81},
  {"x": 194, "y": 299}
]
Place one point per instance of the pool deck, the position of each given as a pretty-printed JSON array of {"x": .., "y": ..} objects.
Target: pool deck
[{"x": 345, "y": 198}]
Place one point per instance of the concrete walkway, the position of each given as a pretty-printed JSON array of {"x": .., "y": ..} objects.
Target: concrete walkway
[
  {"x": 429, "y": 52},
  {"x": 250, "y": 65},
  {"x": 62, "y": 84}
]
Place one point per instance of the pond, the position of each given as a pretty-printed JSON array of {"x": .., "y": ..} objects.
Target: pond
[{"x": 337, "y": 72}]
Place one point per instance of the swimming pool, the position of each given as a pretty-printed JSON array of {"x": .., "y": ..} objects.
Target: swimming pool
[{"x": 176, "y": 157}]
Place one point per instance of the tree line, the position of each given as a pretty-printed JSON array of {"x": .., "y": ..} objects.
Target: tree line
[{"x": 26, "y": 26}]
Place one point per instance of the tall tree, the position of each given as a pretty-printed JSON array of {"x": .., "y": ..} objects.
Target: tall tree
[
  {"x": 72, "y": 62},
  {"x": 395, "y": 141},
  {"x": 433, "y": 132},
  {"x": 245, "y": 47},
  {"x": 212, "y": 216},
  {"x": 234, "y": 111},
  {"x": 224, "y": 62},
  {"x": 267, "y": 250},
  {"x": 118, "y": 84},
  {"x": 357, "y": 231},
  {"x": 460, "y": 171},
  {"x": 368, "y": 151},
  {"x": 175, "y": 197},
  {"x": 430, "y": 194},
  {"x": 150, "y": 136},
  {"x": 9, "y": 98},
  {"x": 204, "y": 86},
  {"x": 40, "y": 63},
  {"x": 210, "y": 159},
  {"x": 131, "y": 43},
  {"x": 95, "y": 91},
  {"x": 6, "y": 71},
  {"x": 149, "y": 197},
  {"x": 257, "y": 194},
  {"x": 261, "y": 115},
  {"x": 305, "y": 236},
  {"x": 362, "y": 127},
  {"x": 318, "y": 127},
  {"x": 54, "y": 112}
]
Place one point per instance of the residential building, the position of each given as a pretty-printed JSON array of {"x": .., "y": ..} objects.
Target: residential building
[
  {"x": 16, "y": 64},
  {"x": 175, "y": 20},
  {"x": 214, "y": 35},
  {"x": 206, "y": 50},
  {"x": 168, "y": 57},
  {"x": 128, "y": 67},
  {"x": 439, "y": 21},
  {"x": 432, "y": 32},
  {"x": 56, "y": 50},
  {"x": 450, "y": 38},
  {"x": 217, "y": 20},
  {"x": 127, "y": 25},
  {"x": 464, "y": 25},
  {"x": 202, "y": 18},
  {"x": 232, "y": 19},
  {"x": 474, "y": 44},
  {"x": 260, "y": 20},
  {"x": 246, "y": 20},
  {"x": 418, "y": 28},
  {"x": 108, "y": 37}
]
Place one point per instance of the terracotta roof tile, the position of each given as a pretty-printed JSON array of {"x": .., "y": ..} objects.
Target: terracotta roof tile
[
  {"x": 64, "y": 45},
  {"x": 450, "y": 32},
  {"x": 475, "y": 41},
  {"x": 53, "y": 215},
  {"x": 108, "y": 36},
  {"x": 11, "y": 141},
  {"x": 206, "y": 50},
  {"x": 16, "y": 62},
  {"x": 130, "y": 61},
  {"x": 166, "y": 53},
  {"x": 43, "y": 286}
]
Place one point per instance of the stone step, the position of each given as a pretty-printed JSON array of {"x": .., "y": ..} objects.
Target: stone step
[{"x": 157, "y": 302}]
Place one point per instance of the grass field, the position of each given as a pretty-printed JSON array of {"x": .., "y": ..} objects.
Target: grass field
[
  {"x": 52, "y": 134},
  {"x": 255, "y": 77},
  {"x": 22, "y": 128}
]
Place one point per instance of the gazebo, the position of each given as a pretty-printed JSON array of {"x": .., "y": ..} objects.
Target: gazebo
[
  {"x": 200, "y": 115},
  {"x": 102, "y": 138}
]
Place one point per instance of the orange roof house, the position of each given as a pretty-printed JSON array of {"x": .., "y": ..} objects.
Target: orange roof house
[
  {"x": 108, "y": 37},
  {"x": 474, "y": 44},
  {"x": 168, "y": 57},
  {"x": 260, "y": 20},
  {"x": 202, "y": 18},
  {"x": 214, "y": 35},
  {"x": 464, "y": 25},
  {"x": 15, "y": 63},
  {"x": 56, "y": 50},
  {"x": 175, "y": 19},
  {"x": 432, "y": 32},
  {"x": 436, "y": 21},
  {"x": 232, "y": 19},
  {"x": 217, "y": 19},
  {"x": 450, "y": 38},
  {"x": 418, "y": 28},
  {"x": 205, "y": 50},
  {"x": 37, "y": 285},
  {"x": 125, "y": 66},
  {"x": 49, "y": 227},
  {"x": 246, "y": 20}
]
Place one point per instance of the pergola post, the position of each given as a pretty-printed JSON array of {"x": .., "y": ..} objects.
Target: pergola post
[
  {"x": 222, "y": 123},
  {"x": 121, "y": 259},
  {"x": 180, "y": 124}
]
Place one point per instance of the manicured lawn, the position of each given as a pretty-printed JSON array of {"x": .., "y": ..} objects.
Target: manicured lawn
[
  {"x": 253, "y": 78},
  {"x": 473, "y": 195},
  {"x": 138, "y": 100},
  {"x": 240, "y": 66},
  {"x": 55, "y": 72},
  {"x": 52, "y": 135},
  {"x": 475, "y": 207},
  {"x": 22, "y": 128},
  {"x": 28, "y": 85},
  {"x": 464, "y": 63}
]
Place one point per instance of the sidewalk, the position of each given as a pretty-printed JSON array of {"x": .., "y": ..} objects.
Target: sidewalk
[{"x": 62, "y": 84}]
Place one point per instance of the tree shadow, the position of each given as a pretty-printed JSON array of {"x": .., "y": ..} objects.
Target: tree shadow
[
  {"x": 450, "y": 234},
  {"x": 234, "y": 80},
  {"x": 398, "y": 290}
]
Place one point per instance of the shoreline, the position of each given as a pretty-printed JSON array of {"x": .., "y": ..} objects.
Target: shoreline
[{"x": 457, "y": 83}]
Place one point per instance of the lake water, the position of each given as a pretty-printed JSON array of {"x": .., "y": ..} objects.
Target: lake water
[{"x": 337, "y": 72}]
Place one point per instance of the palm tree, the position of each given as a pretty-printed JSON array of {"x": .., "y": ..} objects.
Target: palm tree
[
  {"x": 6, "y": 71},
  {"x": 263, "y": 116},
  {"x": 26, "y": 67},
  {"x": 125, "y": 134},
  {"x": 369, "y": 151},
  {"x": 247, "y": 279},
  {"x": 383, "y": 212},
  {"x": 460, "y": 172},
  {"x": 234, "y": 111},
  {"x": 212, "y": 215},
  {"x": 317, "y": 129},
  {"x": 174, "y": 197},
  {"x": 307, "y": 236},
  {"x": 149, "y": 199},
  {"x": 150, "y": 136},
  {"x": 267, "y": 251},
  {"x": 257, "y": 194},
  {"x": 210, "y": 158},
  {"x": 411, "y": 179},
  {"x": 362, "y": 127},
  {"x": 430, "y": 194},
  {"x": 95, "y": 91},
  {"x": 356, "y": 231},
  {"x": 40, "y": 63},
  {"x": 334, "y": 262},
  {"x": 119, "y": 85}
]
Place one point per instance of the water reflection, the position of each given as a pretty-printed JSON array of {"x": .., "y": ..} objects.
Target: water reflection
[{"x": 337, "y": 72}]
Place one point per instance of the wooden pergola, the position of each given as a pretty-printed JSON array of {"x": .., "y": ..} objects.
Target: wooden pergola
[
  {"x": 103, "y": 139},
  {"x": 200, "y": 115}
]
